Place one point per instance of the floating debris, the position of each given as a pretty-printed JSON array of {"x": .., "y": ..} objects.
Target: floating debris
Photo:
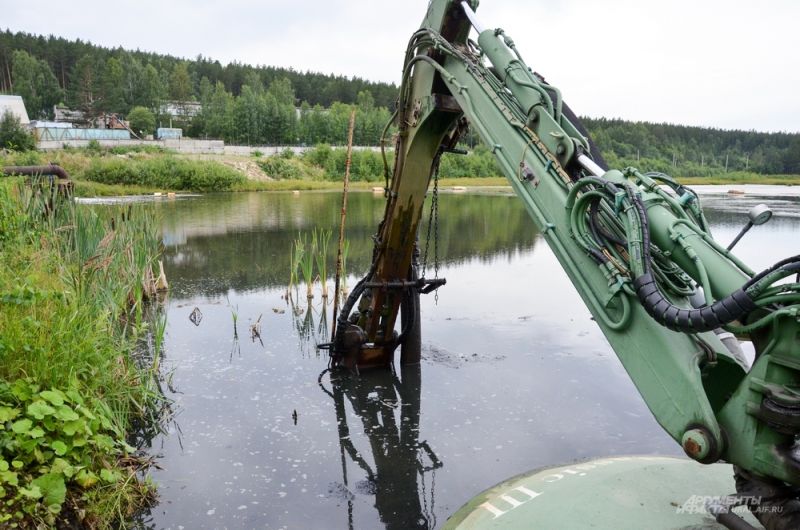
[
  {"x": 255, "y": 329},
  {"x": 196, "y": 316}
]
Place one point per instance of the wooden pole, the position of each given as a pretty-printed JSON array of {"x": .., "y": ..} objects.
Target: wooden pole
[{"x": 339, "y": 265}]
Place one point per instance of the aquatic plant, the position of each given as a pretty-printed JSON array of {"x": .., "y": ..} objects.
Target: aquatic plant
[
  {"x": 295, "y": 256},
  {"x": 322, "y": 240},
  {"x": 235, "y": 317},
  {"x": 306, "y": 262}
]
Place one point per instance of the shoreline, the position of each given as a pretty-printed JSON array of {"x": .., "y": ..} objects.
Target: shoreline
[{"x": 108, "y": 173}]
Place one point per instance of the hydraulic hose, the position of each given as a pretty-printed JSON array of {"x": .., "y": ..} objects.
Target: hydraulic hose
[{"x": 707, "y": 318}]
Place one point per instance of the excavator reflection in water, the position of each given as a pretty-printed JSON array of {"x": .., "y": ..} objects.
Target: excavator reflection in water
[{"x": 403, "y": 472}]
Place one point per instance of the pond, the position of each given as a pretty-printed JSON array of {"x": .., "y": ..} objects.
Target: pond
[{"x": 515, "y": 374}]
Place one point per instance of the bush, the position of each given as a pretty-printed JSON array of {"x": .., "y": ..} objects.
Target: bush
[
  {"x": 94, "y": 147},
  {"x": 142, "y": 121},
  {"x": 166, "y": 172},
  {"x": 13, "y": 135},
  {"x": 281, "y": 168}
]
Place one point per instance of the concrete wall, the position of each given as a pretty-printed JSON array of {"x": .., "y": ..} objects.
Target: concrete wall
[
  {"x": 190, "y": 146},
  {"x": 214, "y": 147}
]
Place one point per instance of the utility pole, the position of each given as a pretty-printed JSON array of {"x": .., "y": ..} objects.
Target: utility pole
[{"x": 726, "y": 162}]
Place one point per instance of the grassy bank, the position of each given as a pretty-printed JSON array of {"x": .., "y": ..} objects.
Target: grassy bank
[
  {"x": 103, "y": 172},
  {"x": 75, "y": 374}
]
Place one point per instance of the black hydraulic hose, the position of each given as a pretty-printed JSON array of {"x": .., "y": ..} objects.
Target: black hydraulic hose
[
  {"x": 668, "y": 314},
  {"x": 779, "y": 265},
  {"x": 598, "y": 229}
]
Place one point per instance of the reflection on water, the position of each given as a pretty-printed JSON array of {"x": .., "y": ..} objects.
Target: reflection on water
[
  {"x": 516, "y": 374},
  {"x": 388, "y": 407}
]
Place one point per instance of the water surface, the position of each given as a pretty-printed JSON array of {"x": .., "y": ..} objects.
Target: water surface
[{"x": 515, "y": 373}]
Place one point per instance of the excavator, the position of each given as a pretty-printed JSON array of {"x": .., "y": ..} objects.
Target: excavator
[{"x": 671, "y": 300}]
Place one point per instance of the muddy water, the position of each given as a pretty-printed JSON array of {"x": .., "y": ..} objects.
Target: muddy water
[{"x": 515, "y": 374}]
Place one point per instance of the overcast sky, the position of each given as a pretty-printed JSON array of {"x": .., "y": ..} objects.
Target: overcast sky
[{"x": 726, "y": 64}]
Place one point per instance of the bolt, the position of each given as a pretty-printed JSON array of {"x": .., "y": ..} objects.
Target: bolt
[
  {"x": 696, "y": 444},
  {"x": 560, "y": 149}
]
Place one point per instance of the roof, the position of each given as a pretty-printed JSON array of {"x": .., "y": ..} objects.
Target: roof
[{"x": 16, "y": 106}]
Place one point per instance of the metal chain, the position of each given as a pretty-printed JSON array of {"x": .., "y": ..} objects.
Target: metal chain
[
  {"x": 435, "y": 217},
  {"x": 433, "y": 224}
]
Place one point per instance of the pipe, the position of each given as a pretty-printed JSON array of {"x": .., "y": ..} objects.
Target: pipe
[{"x": 34, "y": 171}]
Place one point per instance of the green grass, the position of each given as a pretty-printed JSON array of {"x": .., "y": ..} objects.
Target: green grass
[
  {"x": 72, "y": 380},
  {"x": 146, "y": 170}
]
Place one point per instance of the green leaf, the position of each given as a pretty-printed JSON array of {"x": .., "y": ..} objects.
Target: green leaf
[
  {"x": 62, "y": 467},
  {"x": 33, "y": 493},
  {"x": 16, "y": 464},
  {"x": 74, "y": 397},
  {"x": 53, "y": 489},
  {"x": 85, "y": 478},
  {"x": 36, "y": 432},
  {"x": 3, "y": 465},
  {"x": 71, "y": 427},
  {"x": 59, "y": 447},
  {"x": 22, "y": 426},
  {"x": 8, "y": 414},
  {"x": 110, "y": 476},
  {"x": 23, "y": 390},
  {"x": 66, "y": 414},
  {"x": 103, "y": 442},
  {"x": 39, "y": 409},
  {"x": 9, "y": 477},
  {"x": 55, "y": 397}
]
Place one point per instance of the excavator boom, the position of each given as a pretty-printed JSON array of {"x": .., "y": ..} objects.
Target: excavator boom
[{"x": 635, "y": 245}]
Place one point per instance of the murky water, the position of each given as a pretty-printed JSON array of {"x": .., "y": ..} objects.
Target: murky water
[{"x": 515, "y": 374}]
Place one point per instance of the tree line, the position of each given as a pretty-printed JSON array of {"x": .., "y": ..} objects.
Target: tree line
[
  {"x": 116, "y": 80},
  {"x": 268, "y": 105},
  {"x": 694, "y": 151}
]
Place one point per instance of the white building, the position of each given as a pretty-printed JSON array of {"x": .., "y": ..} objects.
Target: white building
[{"x": 16, "y": 106}]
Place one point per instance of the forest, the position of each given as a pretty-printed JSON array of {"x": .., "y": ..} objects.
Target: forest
[{"x": 264, "y": 105}]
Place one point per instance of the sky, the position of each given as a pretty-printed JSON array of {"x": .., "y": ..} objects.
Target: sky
[{"x": 718, "y": 63}]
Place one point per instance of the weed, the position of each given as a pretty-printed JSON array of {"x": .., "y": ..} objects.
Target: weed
[
  {"x": 322, "y": 239},
  {"x": 307, "y": 262}
]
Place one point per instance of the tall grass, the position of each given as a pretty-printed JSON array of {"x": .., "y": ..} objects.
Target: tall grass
[
  {"x": 322, "y": 238},
  {"x": 306, "y": 263},
  {"x": 73, "y": 319}
]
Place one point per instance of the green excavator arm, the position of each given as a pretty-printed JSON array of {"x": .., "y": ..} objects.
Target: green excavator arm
[{"x": 635, "y": 245}]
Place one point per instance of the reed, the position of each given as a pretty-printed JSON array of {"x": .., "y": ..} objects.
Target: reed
[
  {"x": 295, "y": 256},
  {"x": 307, "y": 262},
  {"x": 322, "y": 239}
]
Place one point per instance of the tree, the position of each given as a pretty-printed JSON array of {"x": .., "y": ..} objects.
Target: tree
[
  {"x": 13, "y": 135},
  {"x": 113, "y": 87},
  {"x": 180, "y": 83},
  {"x": 218, "y": 113},
  {"x": 152, "y": 89},
  {"x": 35, "y": 82},
  {"x": 142, "y": 121},
  {"x": 83, "y": 85}
]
